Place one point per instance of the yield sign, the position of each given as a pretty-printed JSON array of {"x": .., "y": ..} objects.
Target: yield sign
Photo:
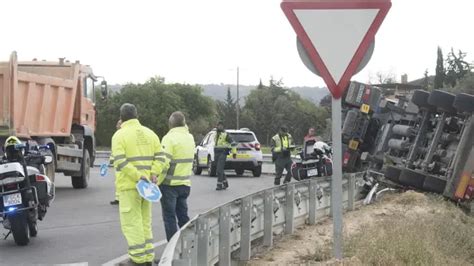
[{"x": 336, "y": 34}]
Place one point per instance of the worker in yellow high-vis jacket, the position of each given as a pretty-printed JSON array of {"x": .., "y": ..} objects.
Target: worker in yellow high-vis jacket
[
  {"x": 137, "y": 154},
  {"x": 282, "y": 145},
  {"x": 175, "y": 185},
  {"x": 224, "y": 144}
]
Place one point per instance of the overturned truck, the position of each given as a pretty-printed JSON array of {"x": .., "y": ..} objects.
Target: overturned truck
[{"x": 423, "y": 140}]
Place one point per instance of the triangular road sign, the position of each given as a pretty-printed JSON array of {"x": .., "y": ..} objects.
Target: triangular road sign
[{"x": 336, "y": 34}]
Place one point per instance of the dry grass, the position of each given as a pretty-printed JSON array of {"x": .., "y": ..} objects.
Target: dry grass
[
  {"x": 443, "y": 235},
  {"x": 403, "y": 229}
]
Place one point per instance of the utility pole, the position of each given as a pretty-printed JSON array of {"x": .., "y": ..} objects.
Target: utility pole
[{"x": 238, "y": 100}]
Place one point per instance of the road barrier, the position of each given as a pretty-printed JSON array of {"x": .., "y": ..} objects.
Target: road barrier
[{"x": 227, "y": 233}]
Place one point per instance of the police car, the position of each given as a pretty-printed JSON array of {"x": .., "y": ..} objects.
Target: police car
[{"x": 249, "y": 154}]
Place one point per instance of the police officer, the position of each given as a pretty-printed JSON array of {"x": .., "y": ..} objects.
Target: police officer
[
  {"x": 138, "y": 155},
  {"x": 282, "y": 144},
  {"x": 223, "y": 144},
  {"x": 175, "y": 185}
]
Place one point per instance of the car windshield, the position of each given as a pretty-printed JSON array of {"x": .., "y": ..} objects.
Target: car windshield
[{"x": 242, "y": 137}]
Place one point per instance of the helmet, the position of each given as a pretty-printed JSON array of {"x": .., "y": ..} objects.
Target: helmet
[
  {"x": 12, "y": 140},
  {"x": 10, "y": 150}
]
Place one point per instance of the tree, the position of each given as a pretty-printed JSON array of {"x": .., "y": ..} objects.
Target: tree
[
  {"x": 426, "y": 80},
  {"x": 269, "y": 107},
  {"x": 155, "y": 101},
  {"x": 227, "y": 110},
  {"x": 456, "y": 67},
  {"x": 326, "y": 102},
  {"x": 440, "y": 73}
]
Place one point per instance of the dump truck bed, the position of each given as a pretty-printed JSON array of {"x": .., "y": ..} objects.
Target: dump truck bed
[{"x": 37, "y": 98}]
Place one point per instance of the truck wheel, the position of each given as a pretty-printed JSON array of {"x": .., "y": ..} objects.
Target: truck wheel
[
  {"x": 442, "y": 100},
  {"x": 392, "y": 173},
  {"x": 257, "y": 171},
  {"x": 434, "y": 184},
  {"x": 239, "y": 171},
  {"x": 33, "y": 227},
  {"x": 82, "y": 181},
  {"x": 196, "y": 169},
  {"x": 20, "y": 230},
  {"x": 464, "y": 103},
  {"x": 420, "y": 99},
  {"x": 211, "y": 167},
  {"x": 412, "y": 178}
]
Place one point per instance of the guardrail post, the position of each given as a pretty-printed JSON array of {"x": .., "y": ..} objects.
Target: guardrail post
[
  {"x": 351, "y": 192},
  {"x": 202, "y": 241},
  {"x": 329, "y": 199},
  {"x": 289, "y": 206},
  {"x": 224, "y": 235},
  {"x": 268, "y": 219},
  {"x": 188, "y": 254},
  {"x": 245, "y": 218},
  {"x": 312, "y": 201}
]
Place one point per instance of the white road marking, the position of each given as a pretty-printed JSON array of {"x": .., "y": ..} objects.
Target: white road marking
[{"x": 125, "y": 257}]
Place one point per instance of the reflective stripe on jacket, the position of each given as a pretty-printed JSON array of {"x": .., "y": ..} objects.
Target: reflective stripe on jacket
[
  {"x": 137, "y": 152},
  {"x": 278, "y": 142},
  {"x": 178, "y": 147}
]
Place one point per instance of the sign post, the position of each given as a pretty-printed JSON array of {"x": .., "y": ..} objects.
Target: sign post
[{"x": 336, "y": 36}]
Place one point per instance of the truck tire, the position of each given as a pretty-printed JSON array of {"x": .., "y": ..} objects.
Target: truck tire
[
  {"x": 239, "y": 172},
  {"x": 442, "y": 100},
  {"x": 20, "y": 229},
  {"x": 211, "y": 167},
  {"x": 434, "y": 184},
  {"x": 82, "y": 181},
  {"x": 412, "y": 178},
  {"x": 257, "y": 171},
  {"x": 197, "y": 170},
  {"x": 420, "y": 99},
  {"x": 392, "y": 173},
  {"x": 464, "y": 103}
]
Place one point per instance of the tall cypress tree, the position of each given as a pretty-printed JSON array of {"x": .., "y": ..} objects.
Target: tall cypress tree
[{"x": 440, "y": 73}]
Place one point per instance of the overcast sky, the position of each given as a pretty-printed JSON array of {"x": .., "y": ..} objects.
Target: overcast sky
[{"x": 203, "y": 41}]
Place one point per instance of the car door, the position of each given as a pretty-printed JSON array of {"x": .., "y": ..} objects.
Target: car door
[{"x": 202, "y": 150}]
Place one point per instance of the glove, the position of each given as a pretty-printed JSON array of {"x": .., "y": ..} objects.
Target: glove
[
  {"x": 234, "y": 155},
  {"x": 144, "y": 179}
]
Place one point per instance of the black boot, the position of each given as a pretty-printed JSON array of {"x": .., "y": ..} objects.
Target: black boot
[
  {"x": 220, "y": 186},
  {"x": 226, "y": 184},
  {"x": 114, "y": 202},
  {"x": 277, "y": 181}
]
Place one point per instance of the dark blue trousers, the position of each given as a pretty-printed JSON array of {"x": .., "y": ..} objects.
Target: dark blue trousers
[{"x": 174, "y": 206}]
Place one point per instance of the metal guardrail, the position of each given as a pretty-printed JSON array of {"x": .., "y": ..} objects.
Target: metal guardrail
[
  {"x": 267, "y": 158},
  {"x": 226, "y": 233}
]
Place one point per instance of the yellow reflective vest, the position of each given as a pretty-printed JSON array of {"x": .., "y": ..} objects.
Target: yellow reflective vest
[
  {"x": 136, "y": 152},
  {"x": 280, "y": 142},
  {"x": 224, "y": 141},
  {"x": 178, "y": 147}
]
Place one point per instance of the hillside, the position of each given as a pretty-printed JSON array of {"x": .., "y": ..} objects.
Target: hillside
[{"x": 219, "y": 91}]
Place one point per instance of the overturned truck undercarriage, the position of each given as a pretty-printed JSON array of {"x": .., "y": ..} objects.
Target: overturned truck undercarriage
[{"x": 422, "y": 140}]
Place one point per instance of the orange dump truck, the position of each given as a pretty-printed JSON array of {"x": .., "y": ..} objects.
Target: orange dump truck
[{"x": 52, "y": 103}]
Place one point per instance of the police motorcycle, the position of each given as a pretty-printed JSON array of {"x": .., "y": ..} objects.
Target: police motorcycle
[
  {"x": 25, "y": 191},
  {"x": 314, "y": 159}
]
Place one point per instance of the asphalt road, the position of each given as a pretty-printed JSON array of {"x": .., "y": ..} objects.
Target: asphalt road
[{"x": 82, "y": 227}]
